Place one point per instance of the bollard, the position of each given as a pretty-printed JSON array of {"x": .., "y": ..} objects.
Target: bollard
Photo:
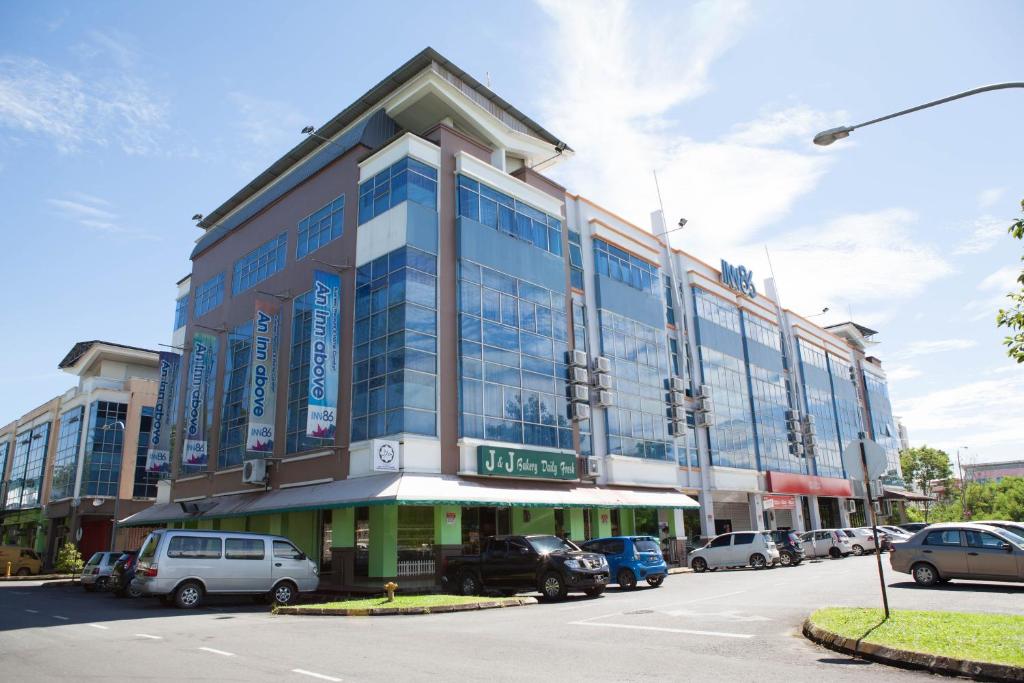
[{"x": 8, "y": 570}]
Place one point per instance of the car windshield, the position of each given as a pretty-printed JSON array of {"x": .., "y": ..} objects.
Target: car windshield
[
  {"x": 646, "y": 545},
  {"x": 793, "y": 537},
  {"x": 1014, "y": 537},
  {"x": 148, "y": 550},
  {"x": 550, "y": 544},
  {"x": 95, "y": 559},
  {"x": 850, "y": 533}
]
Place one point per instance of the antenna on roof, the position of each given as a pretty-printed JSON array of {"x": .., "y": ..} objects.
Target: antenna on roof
[{"x": 488, "y": 75}]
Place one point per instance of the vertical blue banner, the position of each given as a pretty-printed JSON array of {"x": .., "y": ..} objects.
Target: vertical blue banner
[
  {"x": 200, "y": 375},
  {"x": 158, "y": 454},
  {"x": 263, "y": 387},
  {"x": 324, "y": 345}
]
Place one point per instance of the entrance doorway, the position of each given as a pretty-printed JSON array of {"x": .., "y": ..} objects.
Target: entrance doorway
[{"x": 480, "y": 522}]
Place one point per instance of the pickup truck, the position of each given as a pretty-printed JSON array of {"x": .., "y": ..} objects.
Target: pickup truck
[{"x": 514, "y": 564}]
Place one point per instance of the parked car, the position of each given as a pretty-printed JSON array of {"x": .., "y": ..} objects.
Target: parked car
[
  {"x": 826, "y": 543},
  {"x": 791, "y": 552},
  {"x": 96, "y": 572},
  {"x": 1015, "y": 527},
  {"x": 631, "y": 559},
  {"x": 511, "y": 564},
  {"x": 898, "y": 535},
  {"x": 913, "y": 527},
  {"x": 959, "y": 550},
  {"x": 122, "y": 574},
  {"x": 861, "y": 540},
  {"x": 24, "y": 561},
  {"x": 737, "y": 549},
  {"x": 182, "y": 566}
]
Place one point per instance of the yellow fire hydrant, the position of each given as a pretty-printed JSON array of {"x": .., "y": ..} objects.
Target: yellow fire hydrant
[
  {"x": 8, "y": 569},
  {"x": 391, "y": 587}
]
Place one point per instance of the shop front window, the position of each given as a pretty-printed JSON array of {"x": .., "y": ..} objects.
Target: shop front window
[
  {"x": 479, "y": 523},
  {"x": 415, "y": 540},
  {"x": 362, "y": 561}
]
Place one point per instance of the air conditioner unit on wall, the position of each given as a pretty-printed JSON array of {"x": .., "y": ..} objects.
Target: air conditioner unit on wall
[
  {"x": 792, "y": 416},
  {"x": 602, "y": 364},
  {"x": 580, "y": 411},
  {"x": 705, "y": 405},
  {"x": 679, "y": 413},
  {"x": 254, "y": 472},
  {"x": 678, "y": 384},
  {"x": 605, "y": 398},
  {"x": 593, "y": 467},
  {"x": 704, "y": 421},
  {"x": 851, "y": 506},
  {"x": 677, "y": 398},
  {"x": 580, "y": 393},
  {"x": 604, "y": 381},
  {"x": 705, "y": 391},
  {"x": 580, "y": 376},
  {"x": 578, "y": 358},
  {"x": 680, "y": 433}
]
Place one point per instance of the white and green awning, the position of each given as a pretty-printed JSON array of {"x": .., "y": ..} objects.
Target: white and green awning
[{"x": 411, "y": 489}]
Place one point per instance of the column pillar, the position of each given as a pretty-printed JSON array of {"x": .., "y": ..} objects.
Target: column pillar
[
  {"x": 676, "y": 525},
  {"x": 844, "y": 514},
  {"x": 707, "y": 514},
  {"x": 812, "y": 504},
  {"x": 601, "y": 522},
  {"x": 799, "y": 523},
  {"x": 383, "y": 547},
  {"x": 627, "y": 520},
  {"x": 577, "y": 528},
  {"x": 756, "y": 507}
]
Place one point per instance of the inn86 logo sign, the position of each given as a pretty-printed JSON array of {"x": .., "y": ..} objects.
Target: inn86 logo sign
[
  {"x": 739, "y": 278},
  {"x": 322, "y": 417}
]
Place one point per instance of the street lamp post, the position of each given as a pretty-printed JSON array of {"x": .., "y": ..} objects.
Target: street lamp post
[
  {"x": 827, "y": 137},
  {"x": 117, "y": 490},
  {"x": 963, "y": 483}
]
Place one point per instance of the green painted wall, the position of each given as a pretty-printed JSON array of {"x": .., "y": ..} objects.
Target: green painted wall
[
  {"x": 627, "y": 521},
  {"x": 302, "y": 530},
  {"x": 601, "y": 522},
  {"x": 204, "y": 524},
  {"x": 577, "y": 527},
  {"x": 233, "y": 524},
  {"x": 343, "y": 528},
  {"x": 542, "y": 521},
  {"x": 445, "y": 533},
  {"x": 383, "y": 541}
]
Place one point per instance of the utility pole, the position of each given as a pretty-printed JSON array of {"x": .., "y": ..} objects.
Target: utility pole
[{"x": 874, "y": 525}]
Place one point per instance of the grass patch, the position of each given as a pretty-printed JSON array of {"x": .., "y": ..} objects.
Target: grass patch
[
  {"x": 994, "y": 638},
  {"x": 407, "y": 601}
]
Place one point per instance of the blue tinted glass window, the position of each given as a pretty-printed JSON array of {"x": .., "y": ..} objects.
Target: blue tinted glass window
[
  {"x": 509, "y": 215},
  {"x": 259, "y": 264},
  {"x": 670, "y": 312},
  {"x": 817, "y": 386},
  {"x": 882, "y": 424},
  {"x": 104, "y": 448},
  {"x": 320, "y": 227},
  {"x": 234, "y": 413},
  {"x": 65, "y": 460},
  {"x": 407, "y": 179},
  {"x": 618, "y": 264},
  {"x": 181, "y": 312},
  {"x": 145, "y": 482},
  {"x": 209, "y": 295},
  {"x": 27, "y": 466},
  {"x": 298, "y": 378}
]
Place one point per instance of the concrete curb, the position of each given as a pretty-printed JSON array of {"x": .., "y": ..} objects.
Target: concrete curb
[
  {"x": 38, "y": 577},
  {"x": 386, "y": 611},
  {"x": 680, "y": 570},
  {"x": 905, "y": 659}
]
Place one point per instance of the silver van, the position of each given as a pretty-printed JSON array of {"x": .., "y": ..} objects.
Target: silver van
[{"x": 183, "y": 565}]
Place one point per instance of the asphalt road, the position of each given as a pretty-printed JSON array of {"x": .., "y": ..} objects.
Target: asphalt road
[{"x": 725, "y": 625}]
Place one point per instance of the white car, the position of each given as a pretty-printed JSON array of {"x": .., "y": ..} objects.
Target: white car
[
  {"x": 862, "y": 540},
  {"x": 897, "y": 534},
  {"x": 96, "y": 572},
  {"x": 737, "y": 549},
  {"x": 832, "y": 543}
]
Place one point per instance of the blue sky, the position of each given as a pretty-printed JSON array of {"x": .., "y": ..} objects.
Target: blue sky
[{"x": 118, "y": 121}]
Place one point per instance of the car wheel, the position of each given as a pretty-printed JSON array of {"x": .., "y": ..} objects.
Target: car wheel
[
  {"x": 925, "y": 574},
  {"x": 285, "y": 593},
  {"x": 699, "y": 565},
  {"x": 469, "y": 584},
  {"x": 757, "y": 561},
  {"x": 594, "y": 592},
  {"x": 101, "y": 583},
  {"x": 188, "y": 595},
  {"x": 858, "y": 549},
  {"x": 655, "y": 581},
  {"x": 626, "y": 579},
  {"x": 24, "y": 571},
  {"x": 785, "y": 559},
  {"x": 835, "y": 553},
  {"x": 553, "y": 587}
]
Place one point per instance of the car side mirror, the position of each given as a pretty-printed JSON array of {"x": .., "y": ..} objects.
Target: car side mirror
[
  {"x": 1007, "y": 547},
  {"x": 302, "y": 556},
  {"x": 524, "y": 551}
]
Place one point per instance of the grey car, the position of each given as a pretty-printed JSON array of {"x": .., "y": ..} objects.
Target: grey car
[
  {"x": 960, "y": 550},
  {"x": 96, "y": 572}
]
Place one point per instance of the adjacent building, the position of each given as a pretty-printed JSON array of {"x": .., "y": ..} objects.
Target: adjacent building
[
  {"x": 993, "y": 471},
  {"x": 403, "y": 337},
  {"x": 74, "y": 464}
]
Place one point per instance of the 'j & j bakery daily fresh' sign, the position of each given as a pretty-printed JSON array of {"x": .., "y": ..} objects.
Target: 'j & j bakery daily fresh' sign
[{"x": 493, "y": 461}]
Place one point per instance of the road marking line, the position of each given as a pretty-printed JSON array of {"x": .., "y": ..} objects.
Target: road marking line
[
  {"x": 218, "y": 652},
  {"x": 32, "y": 611},
  {"x": 105, "y": 628},
  {"x": 708, "y": 597},
  {"x": 57, "y": 616},
  {"x": 717, "y": 634},
  {"x": 316, "y": 675},
  {"x": 146, "y": 635}
]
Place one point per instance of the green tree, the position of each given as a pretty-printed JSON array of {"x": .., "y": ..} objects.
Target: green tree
[
  {"x": 1002, "y": 499},
  {"x": 69, "y": 560},
  {"x": 1013, "y": 318},
  {"x": 923, "y": 465}
]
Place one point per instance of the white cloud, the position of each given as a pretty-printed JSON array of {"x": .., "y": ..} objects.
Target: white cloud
[
  {"x": 869, "y": 261},
  {"x": 988, "y": 197},
  {"x": 1002, "y": 280},
  {"x": 73, "y": 111},
  {"x": 901, "y": 373},
  {"x": 621, "y": 72},
  {"x": 997, "y": 286},
  {"x": 987, "y": 413},
  {"x": 269, "y": 126},
  {"x": 96, "y": 215},
  {"x": 923, "y": 348},
  {"x": 985, "y": 233}
]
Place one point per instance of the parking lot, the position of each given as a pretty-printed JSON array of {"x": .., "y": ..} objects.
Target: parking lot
[{"x": 725, "y": 625}]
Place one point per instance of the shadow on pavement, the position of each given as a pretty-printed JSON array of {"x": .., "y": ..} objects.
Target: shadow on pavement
[
  {"x": 64, "y": 605},
  {"x": 844, "y": 660},
  {"x": 964, "y": 587}
]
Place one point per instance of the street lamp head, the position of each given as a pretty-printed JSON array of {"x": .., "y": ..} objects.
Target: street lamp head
[
  {"x": 197, "y": 217},
  {"x": 682, "y": 222},
  {"x": 307, "y": 130},
  {"x": 827, "y": 137}
]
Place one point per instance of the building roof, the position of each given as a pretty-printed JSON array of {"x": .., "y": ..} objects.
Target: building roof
[
  {"x": 865, "y": 331},
  {"x": 82, "y": 347},
  {"x": 361, "y": 106}
]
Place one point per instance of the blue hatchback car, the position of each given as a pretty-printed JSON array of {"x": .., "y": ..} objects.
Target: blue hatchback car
[{"x": 631, "y": 559}]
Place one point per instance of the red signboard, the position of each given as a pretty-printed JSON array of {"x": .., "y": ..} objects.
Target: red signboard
[
  {"x": 806, "y": 485},
  {"x": 779, "y": 502}
]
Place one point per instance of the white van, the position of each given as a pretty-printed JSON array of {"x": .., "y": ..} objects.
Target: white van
[
  {"x": 737, "y": 549},
  {"x": 183, "y": 565}
]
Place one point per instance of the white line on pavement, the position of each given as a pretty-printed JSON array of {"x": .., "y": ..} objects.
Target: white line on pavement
[
  {"x": 32, "y": 611},
  {"x": 101, "y": 626},
  {"x": 57, "y": 616},
  {"x": 218, "y": 652},
  {"x": 707, "y": 597},
  {"x": 315, "y": 675},
  {"x": 718, "y": 634},
  {"x": 146, "y": 635}
]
